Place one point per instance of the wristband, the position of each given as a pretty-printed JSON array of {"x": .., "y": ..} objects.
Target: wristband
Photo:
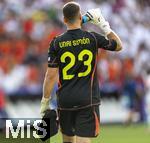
[{"x": 45, "y": 100}]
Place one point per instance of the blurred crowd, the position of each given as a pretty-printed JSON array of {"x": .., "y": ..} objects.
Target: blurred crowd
[{"x": 28, "y": 26}]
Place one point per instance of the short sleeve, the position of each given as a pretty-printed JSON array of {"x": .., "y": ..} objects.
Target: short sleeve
[
  {"x": 104, "y": 43},
  {"x": 52, "y": 55}
]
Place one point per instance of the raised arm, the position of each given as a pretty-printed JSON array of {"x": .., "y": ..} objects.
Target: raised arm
[
  {"x": 113, "y": 36},
  {"x": 96, "y": 18}
]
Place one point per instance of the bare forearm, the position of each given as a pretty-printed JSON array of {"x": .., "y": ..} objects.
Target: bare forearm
[
  {"x": 49, "y": 81},
  {"x": 114, "y": 36},
  {"x": 48, "y": 85}
]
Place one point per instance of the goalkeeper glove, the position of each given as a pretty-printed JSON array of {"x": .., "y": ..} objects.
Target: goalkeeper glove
[
  {"x": 96, "y": 18},
  {"x": 44, "y": 105},
  {"x": 50, "y": 118}
]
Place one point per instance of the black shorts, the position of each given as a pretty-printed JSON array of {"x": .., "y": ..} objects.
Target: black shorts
[{"x": 83, "y": 122}]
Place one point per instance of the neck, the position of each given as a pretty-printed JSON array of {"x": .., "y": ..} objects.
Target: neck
[{"x": 73, "y": 26}]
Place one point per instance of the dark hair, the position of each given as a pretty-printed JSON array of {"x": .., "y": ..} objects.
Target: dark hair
[{"x": 71, "y": 11}]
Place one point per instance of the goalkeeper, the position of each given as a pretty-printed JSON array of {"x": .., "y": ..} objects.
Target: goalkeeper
[{"x": 73, "y": 56}]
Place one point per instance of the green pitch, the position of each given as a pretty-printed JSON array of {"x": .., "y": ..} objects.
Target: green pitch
[
  {"x": 109, "y": 134},
  {"x": 118, "y": 134}
]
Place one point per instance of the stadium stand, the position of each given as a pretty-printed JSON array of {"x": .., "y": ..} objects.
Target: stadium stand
[{"x": 28, "y": 26}]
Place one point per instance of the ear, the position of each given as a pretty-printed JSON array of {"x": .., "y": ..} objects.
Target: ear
[{"x": 65, "y": 20}]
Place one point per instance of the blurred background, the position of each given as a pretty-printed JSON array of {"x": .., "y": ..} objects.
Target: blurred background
[{"x": 28, "y": 26}]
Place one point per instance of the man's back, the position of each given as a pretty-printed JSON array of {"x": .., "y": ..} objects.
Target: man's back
[{"x": 75, "y": 53}]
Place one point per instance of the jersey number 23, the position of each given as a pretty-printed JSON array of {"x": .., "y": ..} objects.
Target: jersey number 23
[{"x": 72, "y": 57}]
